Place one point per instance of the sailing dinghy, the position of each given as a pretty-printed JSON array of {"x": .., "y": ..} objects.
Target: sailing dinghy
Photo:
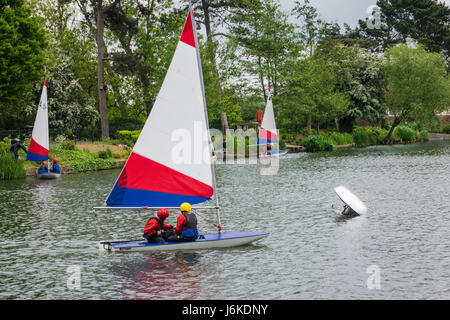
[
  {"x": 39, "y": 143},
  {"x": 268, "y": 133},
  {"x": 171, "y": 162}
]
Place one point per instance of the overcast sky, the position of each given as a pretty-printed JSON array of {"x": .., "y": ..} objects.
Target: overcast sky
[{"x": 340, "y": 11}]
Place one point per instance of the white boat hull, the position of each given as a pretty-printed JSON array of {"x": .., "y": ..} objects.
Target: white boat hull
[
  {"x": 210, "y": 241},
  {"x": 48, "y": 175}
]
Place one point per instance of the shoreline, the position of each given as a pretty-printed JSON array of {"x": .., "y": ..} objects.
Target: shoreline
[{"x": 65, "y": 169}]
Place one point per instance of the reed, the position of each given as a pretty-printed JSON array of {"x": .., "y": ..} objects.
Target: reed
[{"x": 8, "y": 167}]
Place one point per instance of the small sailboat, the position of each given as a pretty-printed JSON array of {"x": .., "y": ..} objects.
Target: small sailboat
[
  {"x": 268, "y": 133},
  {"x": 171, "y": 162},
  {"x": 38, "y": 149}
]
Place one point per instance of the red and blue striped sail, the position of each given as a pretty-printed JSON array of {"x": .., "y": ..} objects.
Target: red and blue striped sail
[
  {"x": 39, "y": 143},
  {"x": 171, "y": 160},
  {"x": 268, "y": 130}
]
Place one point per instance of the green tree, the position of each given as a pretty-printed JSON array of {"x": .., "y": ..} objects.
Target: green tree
[
  {"x": 22, "y": 44},
  {"x": 417, "y": 84},
  {"x": 426, "y": 21}
]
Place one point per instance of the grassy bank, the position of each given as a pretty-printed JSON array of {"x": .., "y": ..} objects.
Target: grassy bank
[
  {"x": 79, "y": 157},
  {"x": 360, "y": 137}
]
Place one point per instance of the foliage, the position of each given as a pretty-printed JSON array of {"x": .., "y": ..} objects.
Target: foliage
[
  {"x": 417, "y": 84},
  {"x": 340, "y": 138},
  {"x": 361, "y": 137},
  {"x": 316, "y": 143},
  {"x": 22, "y": 43},
  {"x": 446, "y": 128},
  {"x": 127, "y": 135},
  {"x": 8, "y": 167},
  {"x": 425, "y": 21},
  {"x": 405, "y": 134}
]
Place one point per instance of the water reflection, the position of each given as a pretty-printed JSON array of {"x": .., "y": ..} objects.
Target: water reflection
[{"x": 159, "y": 275}]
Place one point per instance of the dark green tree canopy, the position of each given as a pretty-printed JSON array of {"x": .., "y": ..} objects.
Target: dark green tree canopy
[{"x": 22, "y": 44}]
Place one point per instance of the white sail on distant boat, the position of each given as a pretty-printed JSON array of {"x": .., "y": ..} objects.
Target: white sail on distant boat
[
  {"x": 268, "y": 133},
  {"x": 38, "y": 149},
  {"x": 154, "y": 175}
]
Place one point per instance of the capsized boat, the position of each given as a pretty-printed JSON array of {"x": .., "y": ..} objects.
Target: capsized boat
[
  {"x": 351, "y": 200},
  {"x": 171, "y": 162},
  {"x": 38, "y": 149},
  {"x": 268, "y": 133}
]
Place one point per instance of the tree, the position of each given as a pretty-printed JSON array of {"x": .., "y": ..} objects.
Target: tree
[
  {"x": 417, "y": 84},
  {"x": 426, "y": 21},
  {"x": 359, "y": 74},
  {"x": 22, "y": 44}
]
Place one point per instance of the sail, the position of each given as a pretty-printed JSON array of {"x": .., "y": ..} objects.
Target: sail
[
  {"x": 171, "y": 160},
  {"x": 39, "y": 145},
  {"x": 268, "y": 130}
]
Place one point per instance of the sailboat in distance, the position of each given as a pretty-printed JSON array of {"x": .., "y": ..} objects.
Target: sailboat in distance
[
  {"x": 268, "y": 133},
  {"x": 171, "y": 162},
  {"x": 38, "y": 149}
]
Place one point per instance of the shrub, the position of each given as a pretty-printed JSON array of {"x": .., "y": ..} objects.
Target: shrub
[
  {"x": 423, "y": 136},
  {"x": 340, "y": 138},
  {"x": 127, "y": 135},
  {"x": 105, "y": 154},
  {"x": 9, "y": 169},
  {"x": 405, "y": 134},
  {"x": 446, "y": 128},
  {"x": 67, "y": 145},
  {"x": 316, "y": 143},
  {"x": 376, "y": 135},
  {"x": 361, "y": 137},
  {"x": 282, "y": 145}
]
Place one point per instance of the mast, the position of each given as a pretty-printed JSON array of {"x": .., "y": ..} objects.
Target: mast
[{"x": 216, "y": 198}]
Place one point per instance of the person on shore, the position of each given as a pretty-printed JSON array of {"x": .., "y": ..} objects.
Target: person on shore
[
  {"x": 155, "y": 229},
  {"x": 55, "y": 166},
  {"x": 186, "y": 229},
  {"x": 14, "y": 149},
  {"x": 43, "y": 168}
]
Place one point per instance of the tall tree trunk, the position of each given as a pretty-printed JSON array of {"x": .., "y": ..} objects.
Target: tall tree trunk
[
  {"x": 101, "y": 71},
  {"x": 394, "y": 124},
  {"x": 224, "y": 121},
  {"x": 336, "y": 122}
]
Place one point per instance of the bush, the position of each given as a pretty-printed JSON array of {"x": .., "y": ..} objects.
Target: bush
[
  {"x": 376, "y": 135},
  {"x": 282, "y": 145},
  {"x": 361, "y": 137},
  {"x": 316, "y": 143},
  {"x": 105, "y": 154},
  {"x": 446, "y": 128},
  {"x": 405, "y": 134},
  {"x": 423, "y": 136},
  {"x": 67, "y": 145},
  {"x": 127, "y": 135},
  {"x": 340, "y": 138},
  {"x": 8, "y": 167}
]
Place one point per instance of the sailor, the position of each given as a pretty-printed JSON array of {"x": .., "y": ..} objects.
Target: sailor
[
  {"x": 269, "y": 148},
  {"x": 43, "y": 168},
  {"x": 155, "y": 227},
  {"x": 186, "y": 229},
  {"x": 349, "y": 212},
  {"x": 14, "y": 149},
  {"x": 55, "y": 167}
]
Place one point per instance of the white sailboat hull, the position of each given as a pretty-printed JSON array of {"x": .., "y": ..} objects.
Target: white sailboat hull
[
  {"x": 210, "y": 241},
  {"x": 48, "y": 175}
]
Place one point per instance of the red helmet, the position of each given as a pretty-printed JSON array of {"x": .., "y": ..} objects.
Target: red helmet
[
  {"x": 55, "y": 160},
  {"x": 163, "y": 213}
]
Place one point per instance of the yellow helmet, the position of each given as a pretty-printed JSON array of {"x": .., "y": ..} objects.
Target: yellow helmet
[{"x": 185, "y": 207}]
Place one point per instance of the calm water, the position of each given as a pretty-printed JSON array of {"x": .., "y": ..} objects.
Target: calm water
[{"x": 49, "y": 232}]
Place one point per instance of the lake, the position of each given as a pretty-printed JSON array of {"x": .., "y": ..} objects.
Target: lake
[{"x": 399, "y": 250}]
